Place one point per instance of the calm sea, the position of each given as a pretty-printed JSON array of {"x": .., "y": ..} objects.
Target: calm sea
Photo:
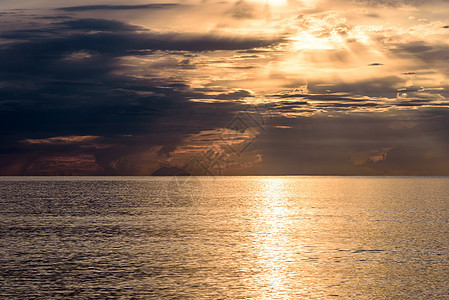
[{"x": 224, "y": 238}]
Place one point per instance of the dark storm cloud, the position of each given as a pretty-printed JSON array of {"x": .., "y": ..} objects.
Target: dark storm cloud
[
  {"x": 112, "y": 109},
  {"x": 97, "y": 25},
  {"x": 119, "y": 7},
  {"x": 63, "y": 82},
  {"x": 24, "y": 34},
  {"x": 384, "y": 143},
  {"x": 123, "y": 43},
  {"x": 54, "y": 17},
  {"x": 50, "y": 55},
  {"x": 68, "y": 27}
]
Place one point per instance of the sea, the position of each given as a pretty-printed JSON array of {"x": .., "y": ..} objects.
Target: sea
[{"x": 282, "y": 237}]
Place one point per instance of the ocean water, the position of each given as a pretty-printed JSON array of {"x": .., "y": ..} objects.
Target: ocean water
[{"x": 224, "y": 238}]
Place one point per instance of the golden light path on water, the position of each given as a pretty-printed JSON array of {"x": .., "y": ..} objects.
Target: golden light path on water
[
  {"x": 271, "y": 232},
  {"x": 274, "y": 240}
]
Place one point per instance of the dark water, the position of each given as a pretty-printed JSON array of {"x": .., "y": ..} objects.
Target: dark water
[{"x": 221, "y": 238}]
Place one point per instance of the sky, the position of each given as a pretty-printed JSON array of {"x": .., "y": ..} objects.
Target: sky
[{"x": 218, "y": 87}]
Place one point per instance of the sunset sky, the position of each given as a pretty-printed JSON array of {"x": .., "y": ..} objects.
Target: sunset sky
[{"x": 314, "y": 87}]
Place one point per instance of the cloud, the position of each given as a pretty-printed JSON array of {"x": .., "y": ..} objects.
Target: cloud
[
  {"x": 62, "y": 140},
  {"x": 397, "y": 3},
  {"x": 104, "y": 96},
  {"x": 436, "y": 52},
  {"x": 78, "y": 164},
  {"x": 97, "y": 25},
  {"x": 374, "y": 156},
  {"x": 117, "y": 39},
  {"x": 68, "y": 92},
  {"x": 357, "y": 144},
  {"x": 154, "y": 6},
  {"x": 242, "y": 10}
]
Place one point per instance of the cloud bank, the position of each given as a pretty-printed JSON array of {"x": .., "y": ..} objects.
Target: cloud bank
[{"x": 122, "y": 89}]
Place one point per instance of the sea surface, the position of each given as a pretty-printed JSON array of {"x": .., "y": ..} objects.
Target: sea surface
[{"x": 224, "y": 237}]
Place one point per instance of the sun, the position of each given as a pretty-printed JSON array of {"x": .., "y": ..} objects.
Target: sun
[{"x": 309, "y": 41}]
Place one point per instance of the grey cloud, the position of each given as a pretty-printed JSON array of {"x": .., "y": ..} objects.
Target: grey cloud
[
  {"x": 236, "y": 95},
  {"x": 98, "y": 25},
  {"x": 47, "y": 53},
  {"x": 438, "y": 54},
  {"x": 324, "y": 144},
  {"x": 26, "y": 34},
  {"x": 119, "y": 7},
  {"x": 242, "y": 10},
  {"x": 397, "y": 3},
  {"x": 375, "y": 87},
  {"x": 415, "y": 47},
  {"x": 65, "y": 83}
]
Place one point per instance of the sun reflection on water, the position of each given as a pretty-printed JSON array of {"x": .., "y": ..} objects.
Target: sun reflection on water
[{"x": 272, "y": 237}]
